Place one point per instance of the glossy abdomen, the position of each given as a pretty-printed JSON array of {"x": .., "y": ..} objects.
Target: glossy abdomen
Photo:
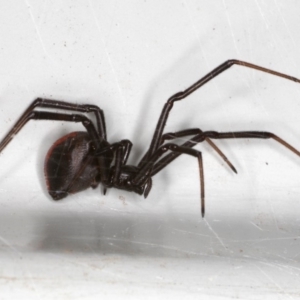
[{"x": 69, "y": 166}]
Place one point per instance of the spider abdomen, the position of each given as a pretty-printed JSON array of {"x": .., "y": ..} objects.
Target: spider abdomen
[{"x": 70, "y": 166}]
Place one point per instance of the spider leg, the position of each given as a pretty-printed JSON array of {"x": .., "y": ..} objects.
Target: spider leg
[
  {"x": 104, "y": 160},
  {"x": 127, "y": 145},
  {"x": 221, "y": 135},
  {"x": 250, "y": 134},
  {"x": 156, "y": 139},
  {"x": 85, "y": 108},
  {"x": 145, "y": 172},
  {"x": 163, "y": 162},
  {"x": 118, "y": 163},
  {"x": 46, "y": 103},
  {"x": 193, "y": 131},
  {"x": 148, "y": 187},
  {"x": 44, "y": 115},
  {"x": 122, "y": 150}
]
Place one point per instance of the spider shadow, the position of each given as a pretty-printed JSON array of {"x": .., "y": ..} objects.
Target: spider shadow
[
  {"x": 163, "y": 86},
  {"x": 174, "y": 76},
  {"x": 158, "y": 93},
  {"x": 180, "y": 75}
]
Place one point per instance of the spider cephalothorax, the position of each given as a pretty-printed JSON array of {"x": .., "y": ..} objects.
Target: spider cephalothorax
[{"x": 80, "y": 160}]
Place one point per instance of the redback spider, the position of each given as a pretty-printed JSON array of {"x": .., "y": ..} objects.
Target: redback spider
[{"x": 84, "y": 159}]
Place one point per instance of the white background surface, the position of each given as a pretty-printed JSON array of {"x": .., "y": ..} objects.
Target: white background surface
[{"x": 128, "y": 58}]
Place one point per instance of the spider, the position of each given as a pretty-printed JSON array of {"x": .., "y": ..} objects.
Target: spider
[{"x": 84, "y": 159}]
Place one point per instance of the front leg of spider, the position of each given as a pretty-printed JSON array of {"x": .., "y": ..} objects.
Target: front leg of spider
[
  {"x": 144, "y": 173},
  {"x": 158, "y": 133}
]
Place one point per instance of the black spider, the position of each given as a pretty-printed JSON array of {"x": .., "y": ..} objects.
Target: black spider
[{"x": 84, "y": 159}]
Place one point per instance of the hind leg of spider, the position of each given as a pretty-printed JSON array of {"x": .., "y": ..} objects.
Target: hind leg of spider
[
  {"x": 104, "y": 161},
  {"x": 84, "y": 108},
  {"x": 45, "y": 115},
  {"x": 55, "y": 104},
  {"x": 144, "y": 173}
]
